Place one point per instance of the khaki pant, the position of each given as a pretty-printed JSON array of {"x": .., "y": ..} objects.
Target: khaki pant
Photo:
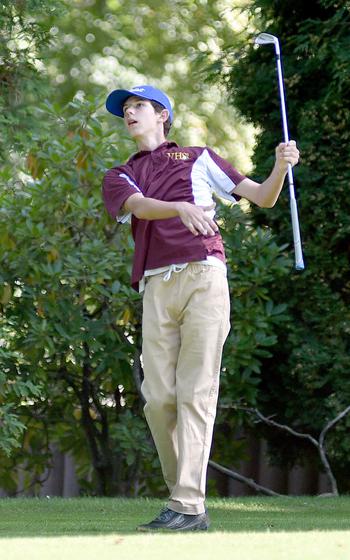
[{"x": 185, "y": 324}]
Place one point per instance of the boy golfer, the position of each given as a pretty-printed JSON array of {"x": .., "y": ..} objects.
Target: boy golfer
[{"x": 179, "y": 266}]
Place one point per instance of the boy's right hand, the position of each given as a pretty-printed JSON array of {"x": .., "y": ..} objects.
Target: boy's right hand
[{"x": 197, "y": 219}]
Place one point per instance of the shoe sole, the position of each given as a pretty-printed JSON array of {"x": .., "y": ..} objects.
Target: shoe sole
[{"x": 172, "y": 530}]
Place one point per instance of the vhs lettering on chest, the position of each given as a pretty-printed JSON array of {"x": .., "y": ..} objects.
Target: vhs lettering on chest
[{"x": 178, "y": 155}]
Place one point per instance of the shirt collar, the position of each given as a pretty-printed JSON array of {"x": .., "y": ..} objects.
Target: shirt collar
[{"x": 165, "y": 146}]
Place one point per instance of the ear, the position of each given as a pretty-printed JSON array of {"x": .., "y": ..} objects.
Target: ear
[{"x": 164, "y": 115}]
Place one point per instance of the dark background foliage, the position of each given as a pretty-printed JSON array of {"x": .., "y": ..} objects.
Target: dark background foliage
[
  {"x": 306, "y": 382},
  {"x": 70, "y": 324}
]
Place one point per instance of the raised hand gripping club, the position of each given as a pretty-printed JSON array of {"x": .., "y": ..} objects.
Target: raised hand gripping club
[{"x": 267, "y": 39}]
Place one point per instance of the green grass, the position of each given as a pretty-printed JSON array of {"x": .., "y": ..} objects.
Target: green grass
[{"x": 244, "y": 528}]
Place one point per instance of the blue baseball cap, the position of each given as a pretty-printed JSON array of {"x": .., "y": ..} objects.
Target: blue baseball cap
[{"x": 117, "y": 98}]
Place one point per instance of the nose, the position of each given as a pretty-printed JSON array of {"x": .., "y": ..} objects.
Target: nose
[{"x": 128, "y": 111}]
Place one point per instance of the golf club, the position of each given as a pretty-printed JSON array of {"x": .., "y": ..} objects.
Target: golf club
[{"x": 267, "y": 39}]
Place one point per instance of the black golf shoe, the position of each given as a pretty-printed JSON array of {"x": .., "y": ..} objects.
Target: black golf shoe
[{"x": 170, "y": 520}]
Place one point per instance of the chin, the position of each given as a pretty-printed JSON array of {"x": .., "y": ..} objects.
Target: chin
[{"x": 135, "y": 134}]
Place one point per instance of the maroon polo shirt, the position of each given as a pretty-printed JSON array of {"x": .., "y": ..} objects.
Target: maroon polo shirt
[{"x": 170, "y": 173}]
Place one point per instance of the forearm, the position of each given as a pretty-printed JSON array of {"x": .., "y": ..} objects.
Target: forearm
[
  {"x": 195, "y": 218},
  {"x": 269, "y": 190},
  {"x": 265, "y": 194},
  {"x": 146, "y": 208}
]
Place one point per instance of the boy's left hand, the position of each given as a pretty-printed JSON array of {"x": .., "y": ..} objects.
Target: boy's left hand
[{"x": 287, "y": 153}]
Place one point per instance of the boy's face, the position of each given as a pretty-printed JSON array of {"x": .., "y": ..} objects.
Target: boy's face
[{"x": 140, "y": 117}]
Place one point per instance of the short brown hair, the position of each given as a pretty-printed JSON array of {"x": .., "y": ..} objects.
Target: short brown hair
[{"x": 158, "y": 109}]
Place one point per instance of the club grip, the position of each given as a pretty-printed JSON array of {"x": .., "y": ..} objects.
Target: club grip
[{"x": 299, "y": 261}]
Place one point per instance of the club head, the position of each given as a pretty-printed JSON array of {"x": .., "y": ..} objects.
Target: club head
[{"x": 267, "y": 39}]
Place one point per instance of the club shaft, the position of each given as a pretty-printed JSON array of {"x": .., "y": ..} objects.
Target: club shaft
[
  {"x": 282, "y": 98},
  {"x": 299, "y": 262}
]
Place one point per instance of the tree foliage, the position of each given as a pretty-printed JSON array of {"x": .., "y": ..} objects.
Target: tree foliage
[
  {"x": 68, "y": 317},
  {"x": 71, "y": 323},
  {"x": 307, "y": 381},
  {"x": 23, "y": 42},
  {"x": 101, "y": 45}
]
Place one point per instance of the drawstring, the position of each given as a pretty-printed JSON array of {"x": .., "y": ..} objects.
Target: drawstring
[{"x": 173, "y": 268}]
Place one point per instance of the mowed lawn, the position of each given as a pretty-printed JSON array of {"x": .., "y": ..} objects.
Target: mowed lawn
[{"x": 300, "y": 528}]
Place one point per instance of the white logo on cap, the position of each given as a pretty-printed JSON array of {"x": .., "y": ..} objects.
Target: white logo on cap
[{"x": 138, "y": 89}]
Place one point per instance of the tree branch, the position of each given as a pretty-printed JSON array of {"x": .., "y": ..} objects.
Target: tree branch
[
  {"x": 284, "y": 427},
  {"x": 137, "y": 373},
  {"x": 319, "y": 444},
  {"x": 323, "y": 452},
  {"x": 332, "y": 423},
  {"x": 248, "y": 481}
]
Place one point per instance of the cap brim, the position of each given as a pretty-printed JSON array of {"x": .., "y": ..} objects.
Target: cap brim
[{"x": 116, "y": 100}]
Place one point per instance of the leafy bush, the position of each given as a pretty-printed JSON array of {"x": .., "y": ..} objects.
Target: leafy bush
[
  {"x": 71, "y": 323},
  {"x": 307, "y": 381}
]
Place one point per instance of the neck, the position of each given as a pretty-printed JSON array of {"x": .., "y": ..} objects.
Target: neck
[{"x": 150, "y": 143}]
